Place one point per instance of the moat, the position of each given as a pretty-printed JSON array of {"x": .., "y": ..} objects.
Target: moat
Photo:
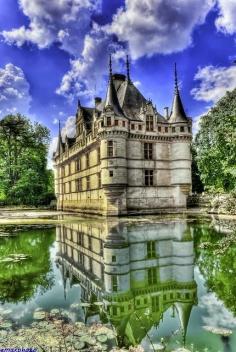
[{"x": 170, "y": 277}]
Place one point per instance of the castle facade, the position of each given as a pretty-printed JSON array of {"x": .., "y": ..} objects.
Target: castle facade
[{"x": 126, "y": 158}]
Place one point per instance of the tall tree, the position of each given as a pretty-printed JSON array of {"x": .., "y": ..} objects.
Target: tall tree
[
  {"x": 24, "y": 178},
  {"x": 215, "y": 144}
]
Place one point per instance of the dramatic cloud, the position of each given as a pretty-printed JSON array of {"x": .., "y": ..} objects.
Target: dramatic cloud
[
  {"x": 214, "y": 82},
  {"x": 158, "y": 26},
  {"x": 14, "y": 91},
  {"x": 216, "y": 314},
  {"x": 69, "y": 128},
  {"x": 65, "y": 22},
  {"x": 86, "y": 76},
  {"x": 226, "y": 22}
]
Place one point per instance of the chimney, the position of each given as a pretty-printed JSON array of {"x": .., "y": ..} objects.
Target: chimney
[
  {"x": 166, "y": 112},
  {"x": 97, "y": 100}
]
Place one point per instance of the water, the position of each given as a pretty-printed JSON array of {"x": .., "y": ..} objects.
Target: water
[{"x": 148, "y": 278}]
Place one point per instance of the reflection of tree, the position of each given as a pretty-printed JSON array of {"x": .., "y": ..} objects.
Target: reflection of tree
[
  {"x": 19, "y": 281},
  {"x": 218, "y": 269}
]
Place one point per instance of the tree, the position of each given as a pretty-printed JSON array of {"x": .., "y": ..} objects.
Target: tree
[
  {"x": 215, "y": 144},
  {"x": 24, "y": 178}
]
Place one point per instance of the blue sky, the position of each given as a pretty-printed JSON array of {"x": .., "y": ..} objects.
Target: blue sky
[{"x": 54, "y": 52}]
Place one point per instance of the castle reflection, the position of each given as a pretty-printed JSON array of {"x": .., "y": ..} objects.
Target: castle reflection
[{"x": 137, "y": 271}]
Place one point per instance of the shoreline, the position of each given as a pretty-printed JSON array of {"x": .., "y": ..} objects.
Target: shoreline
[{"x": 13, "y": 216}]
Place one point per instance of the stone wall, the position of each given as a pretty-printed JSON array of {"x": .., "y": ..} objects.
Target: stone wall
[{"x": 214, "y": 203}]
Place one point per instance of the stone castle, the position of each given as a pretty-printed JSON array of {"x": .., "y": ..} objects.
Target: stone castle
[{"x": 126, "y": 158}]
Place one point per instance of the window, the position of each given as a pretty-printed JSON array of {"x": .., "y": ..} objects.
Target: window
[
  {"x": 110, "y": 148},
  {"x": 189, "y": 129},
  {"x": 149, "y": 123},
  {"x": 90, "y": 264},
  {"x": 98, "y": 155},
  {"x": 81, "y": 239},
  {"x": 99, "y": 180},
  {"x": 69, "y": 187},
  {"x": 151, "y": 249},
  {"x": 114, "y": 282},
  {"x": 116, "y": 122},
  {"x": 79, "y": 185},
  {"x": 173, "y": 129},
  {"x": 159, "y": 128},
  {"x": 87, "y": 182},
  {"x": 148, "y": 178},
  {"x": 78, "y": 164},
  {"x": 123, "y": 123},
  {"x": 113, "y": 259},
  {"x": 148, "y": 151},
  {"x": 155, "y": 303},
  {"x": 140, "y": 127},
  {"x": 87, "y": 160},
  {"x": 63, "y": 171},
  {"x": 111, "y": 173},
  {"x": 90, "y": 243},
  {"x": 132, "y": 126},
  {"x": 152, "y": 276},
  {"x": 166, "y": 129},
  {"x": 181, "y": 128},
  {"x": 108, "y": 121}
]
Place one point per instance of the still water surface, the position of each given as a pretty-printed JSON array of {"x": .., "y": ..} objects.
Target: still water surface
[{"x": 148, "y": 278}]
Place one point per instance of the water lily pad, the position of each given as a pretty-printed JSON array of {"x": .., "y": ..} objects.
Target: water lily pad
[
  {"x": 6, "y": 312},
  {"x": 55, "y": 311},
  {"x": 75, "y": 306},
  {"x": 218, "y": 331},
  {"x": 79, "y": 345},
  {"x": 101, "y": 338},
  {"x": 39, "y": 315},
  {"x": 85, "y": 305},
  {"x": 6, "y": 324}
]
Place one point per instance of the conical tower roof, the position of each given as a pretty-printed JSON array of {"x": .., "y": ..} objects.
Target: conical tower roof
[
  {"x": 177, "y": 112},
  {"x": 112, "y": 101},
  {"x": 60, "y": 146},
  {"x": 184, "y": 311}
]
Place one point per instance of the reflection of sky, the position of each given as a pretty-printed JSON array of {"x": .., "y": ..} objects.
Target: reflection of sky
[{"x": 210, "y": 311}]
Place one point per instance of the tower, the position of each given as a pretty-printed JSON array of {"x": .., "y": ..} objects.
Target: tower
[
  {"x": 113, "y": 135},
  {"x": 181, "y": 131}
]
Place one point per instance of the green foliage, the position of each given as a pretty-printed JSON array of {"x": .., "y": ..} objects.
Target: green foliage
[
  {"x": 20, "y": 281},
  {"x": 215, "y": 145},
  {"x": 24, "y": 178},
  {"x": 216, "y": 258}
]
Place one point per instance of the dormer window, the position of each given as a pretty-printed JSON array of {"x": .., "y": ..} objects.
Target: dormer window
[
  {"x": 181, "y": 128},
  {"x": 108, "y": 121},
  {"x": 149, "y": 123},
  {"x": 173, "y": 129},
  {"x": 116, "y": 123},
  {"x": 132, "y": 126},
  {"x": 123, "y": 123}
]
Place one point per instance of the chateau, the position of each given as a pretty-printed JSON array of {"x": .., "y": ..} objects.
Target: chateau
[{"x": 126, "y": 158}]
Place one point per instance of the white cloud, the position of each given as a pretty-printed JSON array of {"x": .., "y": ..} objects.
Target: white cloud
[
  {"x": 214, "y": 82},
  {"x": 65, "y": 22},
  {"x": 14, "y": 91},
  {"x": 226, "y": 22},
  {"x": 52, "y": 148},
  {"x": 217, "y": 314},
  {"x": 55, "y": 121},
  {"x": 158, "y": 26},
  {"x": 86, "y": 75},
  {"x": 69, "y": 128}
]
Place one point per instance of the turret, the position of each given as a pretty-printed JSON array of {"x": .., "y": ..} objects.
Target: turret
[
  {"x": 180, "y": 149},
  {"x": 177, "y": 111},
  {"x": 184, "y": 310}
]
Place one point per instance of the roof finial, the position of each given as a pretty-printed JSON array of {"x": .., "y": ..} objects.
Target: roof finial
[
  {"x": 110, "y": 65},
  {"x": 176, "y": 80},
  {"x": 128, "y": 68},
  {"x": 59, "y": 127},
  {"x": 79, "y": 105}
]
